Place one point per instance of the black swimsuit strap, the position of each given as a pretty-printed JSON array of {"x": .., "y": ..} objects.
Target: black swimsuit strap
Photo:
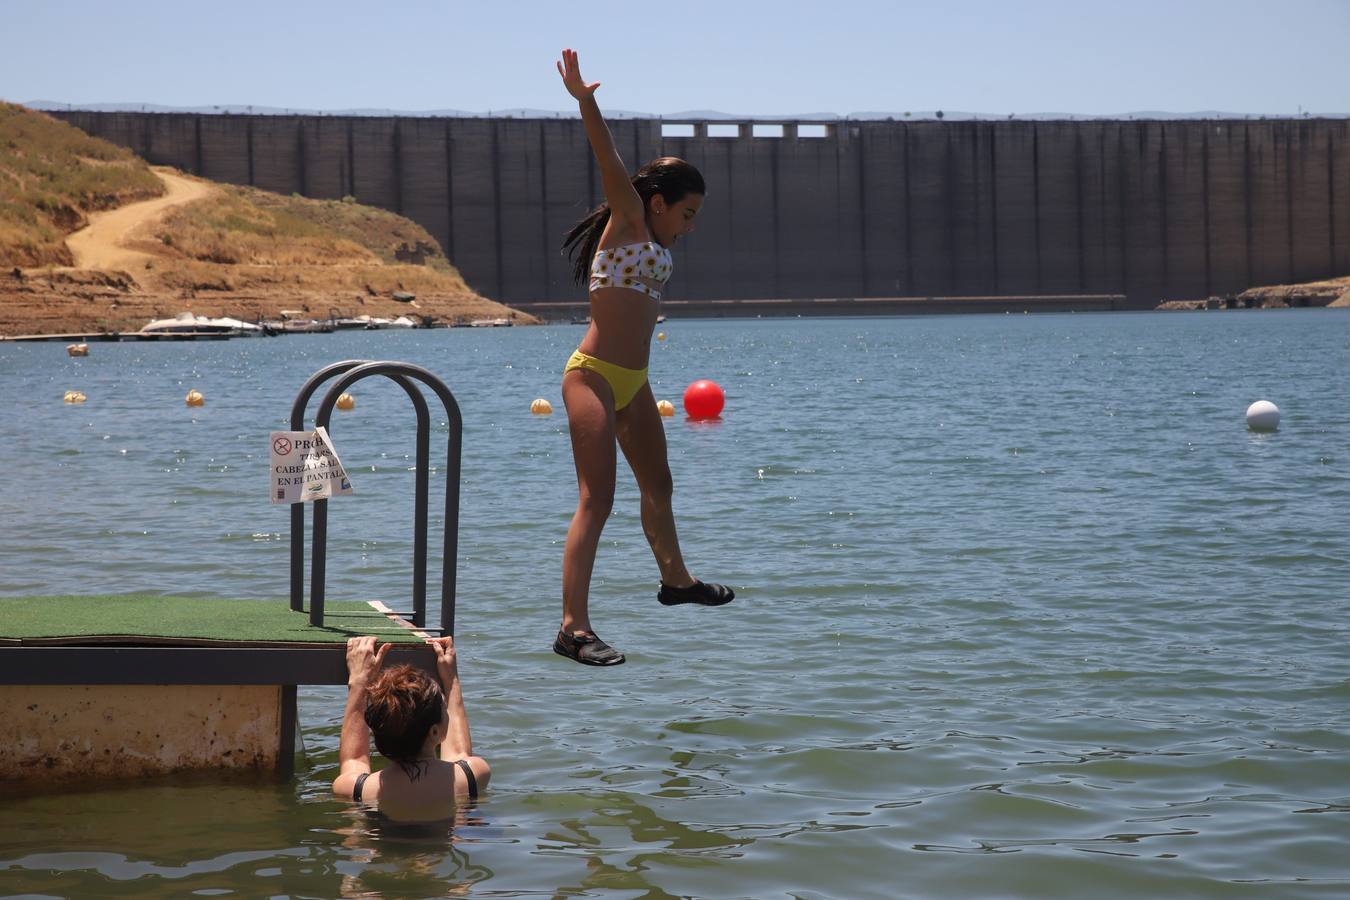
[
  {"x": 462, "y": 763},
  {"x": 360, "y": 783},
  {"x": 468, "y": 775}
]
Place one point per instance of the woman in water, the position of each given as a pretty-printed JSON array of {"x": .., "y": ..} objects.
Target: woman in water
[
  {"x": 623, "y": 248},
  {"x": 419, "y": 726}
]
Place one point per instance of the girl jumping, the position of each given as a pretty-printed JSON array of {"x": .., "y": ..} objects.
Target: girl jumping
[{"x": 623, "y": 248}]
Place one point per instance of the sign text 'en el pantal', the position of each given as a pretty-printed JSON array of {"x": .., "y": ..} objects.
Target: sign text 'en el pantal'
[{"x": 305, "y": 467}]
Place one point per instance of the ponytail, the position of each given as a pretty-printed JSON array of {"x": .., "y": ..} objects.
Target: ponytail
[{"x": 584, "y": 239}]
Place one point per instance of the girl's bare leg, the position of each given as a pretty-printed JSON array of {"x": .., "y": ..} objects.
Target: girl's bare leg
[
  {"x": 590, "y": 418},
  {"x": 643, "y": 440}
]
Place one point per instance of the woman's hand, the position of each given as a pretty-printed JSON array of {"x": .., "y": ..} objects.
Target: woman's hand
[
  {"x": 363, "y": 660},
  {"x": 444, "y": 648},
  {"x": 570, "y": 70},
  {"x": 457, "y": 743}
]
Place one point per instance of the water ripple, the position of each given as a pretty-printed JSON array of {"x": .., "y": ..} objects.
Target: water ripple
[{"x": 1023, "y": 610}]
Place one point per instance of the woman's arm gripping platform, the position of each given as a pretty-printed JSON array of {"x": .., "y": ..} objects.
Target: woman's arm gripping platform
[
  {"x": 624, "y": 202},
  {"x": 458, "y": 743},
  {"x": 363, "y": 663}
]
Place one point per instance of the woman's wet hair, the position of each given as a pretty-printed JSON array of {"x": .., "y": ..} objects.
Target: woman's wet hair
[
  {"x": 402, "y": 706},
  {"x": 669, "y": 176}
]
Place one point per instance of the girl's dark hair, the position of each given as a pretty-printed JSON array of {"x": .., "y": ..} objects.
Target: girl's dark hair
[
  {"x": 402, "y": 706},
  {"x": 668, "y": 176}
]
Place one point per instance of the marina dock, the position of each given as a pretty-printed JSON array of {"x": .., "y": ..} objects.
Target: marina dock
[{"x": 113, "y": 336}]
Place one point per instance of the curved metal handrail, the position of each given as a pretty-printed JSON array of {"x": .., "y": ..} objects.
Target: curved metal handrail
[
  {"x": 403, "y": 374},
  {"x": 298, "y": 509}
]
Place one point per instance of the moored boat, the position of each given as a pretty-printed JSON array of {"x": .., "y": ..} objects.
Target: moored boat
[{"x": 188, "y": 323}]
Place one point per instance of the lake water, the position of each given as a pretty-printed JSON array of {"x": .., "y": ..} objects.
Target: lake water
[{"x": 1024, "y": 610}]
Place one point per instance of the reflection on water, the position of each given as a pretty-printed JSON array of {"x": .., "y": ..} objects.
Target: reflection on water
[
  {"x": 388, "y": 859},
  {"x": 1023, "y": 610},
  {"x": 620, "y": 839}
]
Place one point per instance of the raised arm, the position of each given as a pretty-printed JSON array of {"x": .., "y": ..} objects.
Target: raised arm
[
  {"x": 624, "y": 202},
  {"x": 363, "y": 662},
  {"x": 457, "y": 744}
]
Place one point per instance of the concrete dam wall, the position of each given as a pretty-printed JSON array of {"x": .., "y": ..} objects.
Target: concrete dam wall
[{"x": 1151, "y": 210}]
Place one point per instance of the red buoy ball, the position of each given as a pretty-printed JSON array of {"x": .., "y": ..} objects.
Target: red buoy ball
[{"x": 704, "y": 400}]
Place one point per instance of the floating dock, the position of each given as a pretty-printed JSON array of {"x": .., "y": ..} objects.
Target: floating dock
[
  {"x": 97, "y": 689},
  {"x": 106, "y": 688}
]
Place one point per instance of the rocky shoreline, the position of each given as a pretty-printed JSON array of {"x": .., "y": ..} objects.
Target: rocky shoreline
[
  {"x": 65, "y": 301},
  {"x": 1334, "y": 292}
]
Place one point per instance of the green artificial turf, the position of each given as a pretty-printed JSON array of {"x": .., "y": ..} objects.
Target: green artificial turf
[{"x": 191, "y": 618}]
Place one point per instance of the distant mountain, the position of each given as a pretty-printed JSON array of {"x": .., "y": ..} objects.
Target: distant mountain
[{"x": 686, "y": 115}]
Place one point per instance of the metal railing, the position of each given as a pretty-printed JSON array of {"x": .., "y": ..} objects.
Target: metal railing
[{"x": 406, "y": 376}]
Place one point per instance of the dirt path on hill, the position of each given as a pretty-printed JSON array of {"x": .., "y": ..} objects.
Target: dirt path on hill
[
  {"x": 99, "y": 245},
  {"x": 101, "y": 293}
]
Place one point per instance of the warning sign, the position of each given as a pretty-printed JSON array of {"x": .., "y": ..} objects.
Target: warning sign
[{"x": 305, "y": 467}]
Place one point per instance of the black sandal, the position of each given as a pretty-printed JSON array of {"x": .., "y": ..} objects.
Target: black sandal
[
  {"x": 699, "y": 592},
  {"x": 586, "y": 648}
]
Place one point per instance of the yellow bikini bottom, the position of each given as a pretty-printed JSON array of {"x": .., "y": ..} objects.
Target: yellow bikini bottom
[{"x": 624, "y": 382}]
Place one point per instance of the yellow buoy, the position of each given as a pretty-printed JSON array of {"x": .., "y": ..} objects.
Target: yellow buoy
[
  {"x": 77, "y": 349},
  {"x": 660, "y": 335},
  {"x": 665, "y": 407},
  {"x": 194, "y": 398},
  {"x": 346, "y": 402},
  {"x": 74, "y": 397},
  {"x": 541, "y": 407}
]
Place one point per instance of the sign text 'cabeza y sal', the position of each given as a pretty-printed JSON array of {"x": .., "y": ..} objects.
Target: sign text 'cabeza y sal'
[{"x": 306, "y": 467}]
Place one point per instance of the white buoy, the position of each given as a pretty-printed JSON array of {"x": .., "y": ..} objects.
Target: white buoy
[
  {"x": 665, "y": 407},
  {"x": 1263, "y": 416},
  {"x": 541, "y": 407}
]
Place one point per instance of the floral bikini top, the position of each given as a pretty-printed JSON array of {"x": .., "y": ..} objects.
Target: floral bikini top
[{"x": 624, "y": 266}]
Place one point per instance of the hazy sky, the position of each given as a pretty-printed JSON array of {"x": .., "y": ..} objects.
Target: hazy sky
[{"x": 749, "y": 57}]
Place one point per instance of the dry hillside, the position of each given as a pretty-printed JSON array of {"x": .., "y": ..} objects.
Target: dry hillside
[
  {"x": 52, "y": 176},
  {"x": 92, "y": 239}
]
